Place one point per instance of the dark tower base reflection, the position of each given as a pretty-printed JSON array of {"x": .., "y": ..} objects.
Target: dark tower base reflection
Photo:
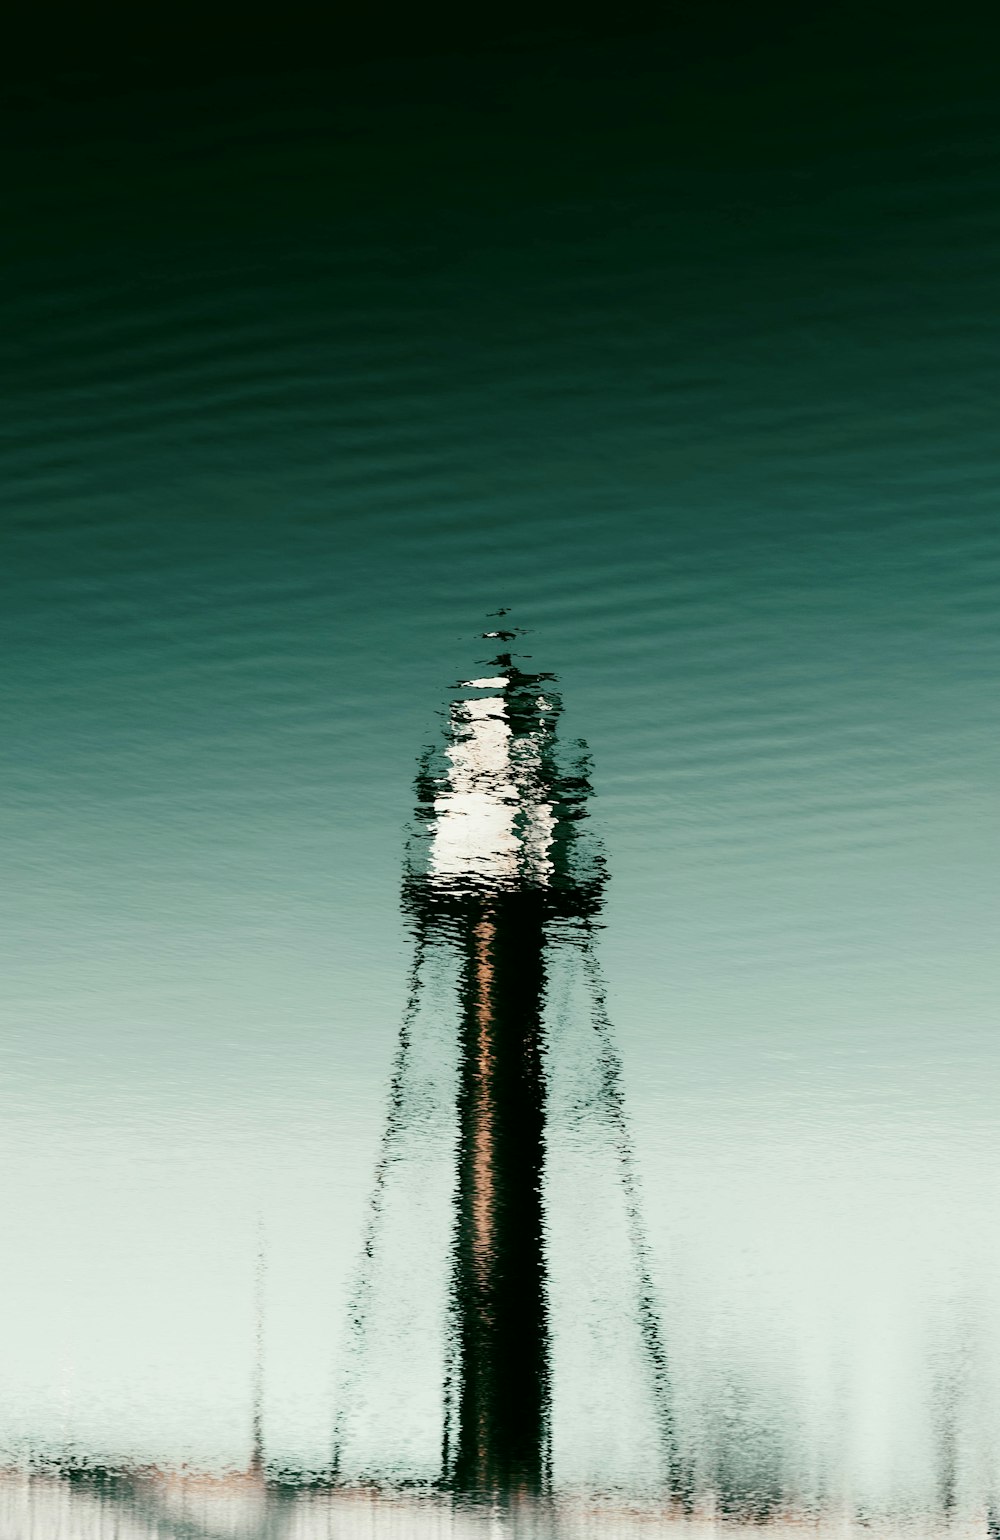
[{"x": 499, "y": 1284}]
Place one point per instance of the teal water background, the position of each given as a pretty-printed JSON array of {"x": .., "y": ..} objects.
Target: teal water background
[{"x": 696, "y": 370}]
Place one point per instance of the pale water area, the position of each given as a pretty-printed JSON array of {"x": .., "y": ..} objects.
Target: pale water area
[
  {"x": 299, "y": 393},
  {"x": 187, "y": 1507}
]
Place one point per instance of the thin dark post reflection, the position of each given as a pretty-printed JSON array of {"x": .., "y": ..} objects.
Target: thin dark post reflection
[{"x": 256, "y": 1467}]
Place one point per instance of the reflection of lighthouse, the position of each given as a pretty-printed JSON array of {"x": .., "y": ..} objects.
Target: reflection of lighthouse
[
  {"x": 496, "y": 867},
  {"x": 502, "y": 889}
]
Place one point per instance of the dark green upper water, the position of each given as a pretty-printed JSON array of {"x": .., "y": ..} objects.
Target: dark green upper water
[{"x": 693, "y": 363}]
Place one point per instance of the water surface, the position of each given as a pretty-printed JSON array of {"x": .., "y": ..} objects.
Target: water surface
[{"x": 695, "y": 370}]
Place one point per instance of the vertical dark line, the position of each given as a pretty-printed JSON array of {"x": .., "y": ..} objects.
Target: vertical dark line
[
  {"x": 612, "y": 1096},
  {"x": 260, "y": 1273},
  {"x": 360, "y": 1296},
  {"x": 448, "y": 1395}
]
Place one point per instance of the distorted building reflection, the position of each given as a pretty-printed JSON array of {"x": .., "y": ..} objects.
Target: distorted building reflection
[{"x": 499, "y": 863}]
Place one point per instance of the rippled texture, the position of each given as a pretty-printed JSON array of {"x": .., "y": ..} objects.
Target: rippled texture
[{"x": 694, "y": 369}]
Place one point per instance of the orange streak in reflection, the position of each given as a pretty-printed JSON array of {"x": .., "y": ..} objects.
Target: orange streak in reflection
[
  {"x": 484, "y": 1194},
  {"x": 483, "y": 1163}
]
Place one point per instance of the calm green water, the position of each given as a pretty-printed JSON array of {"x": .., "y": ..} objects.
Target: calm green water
[{"x": 696, "y": 371}]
